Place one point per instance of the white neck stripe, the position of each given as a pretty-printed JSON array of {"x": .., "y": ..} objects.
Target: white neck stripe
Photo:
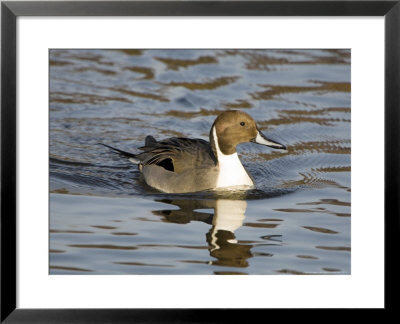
[{"x": 231, "y": 170}]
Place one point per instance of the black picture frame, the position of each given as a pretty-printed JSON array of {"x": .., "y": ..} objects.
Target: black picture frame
[{"x": 10, "y": 10}]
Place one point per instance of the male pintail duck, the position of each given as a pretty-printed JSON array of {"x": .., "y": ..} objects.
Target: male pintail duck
[{"x": 179, "y": 165}]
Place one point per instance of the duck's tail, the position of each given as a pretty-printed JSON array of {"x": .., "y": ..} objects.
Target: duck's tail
[{"x": 132, "y": 157}]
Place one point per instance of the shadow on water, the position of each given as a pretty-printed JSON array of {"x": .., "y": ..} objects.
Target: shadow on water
[
  {"x": 225, "y": 215},
  {"x": 228, "y": 216}
]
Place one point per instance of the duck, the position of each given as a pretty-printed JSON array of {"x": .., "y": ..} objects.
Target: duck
[{"x": 183, "y": 165}]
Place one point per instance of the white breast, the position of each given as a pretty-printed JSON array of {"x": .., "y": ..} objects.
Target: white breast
[{"x": 231, "y": 170}]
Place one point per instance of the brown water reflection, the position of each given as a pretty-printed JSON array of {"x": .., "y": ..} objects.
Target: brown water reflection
[
  {"x": 148, "y": 73},
  {"x": 260, "y": 60},
  {"x": 79, "y": 98},
  {"x": 207, "y": 85},
  {"x": 140, "y": 94},
  {"x": 176, "y": 64},
  {"x": 277, "y": 90}
]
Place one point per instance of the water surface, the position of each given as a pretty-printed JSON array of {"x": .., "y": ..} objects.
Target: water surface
[{"x": 105, "y": 220}]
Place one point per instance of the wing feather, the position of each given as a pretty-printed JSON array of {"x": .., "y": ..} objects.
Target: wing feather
[{"x": 184, "y": 153}]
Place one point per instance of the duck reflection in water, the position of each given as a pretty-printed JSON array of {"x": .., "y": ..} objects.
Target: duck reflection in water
[{"x": 228, "y": 216}]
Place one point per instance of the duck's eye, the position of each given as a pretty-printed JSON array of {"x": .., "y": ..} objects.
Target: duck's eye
[{"x": 242, "y": 123}]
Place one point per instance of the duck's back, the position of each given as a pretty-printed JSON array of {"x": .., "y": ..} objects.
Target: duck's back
[
  {"x": 177, "y": 165},
  {"x": 177, "y": 154}
]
